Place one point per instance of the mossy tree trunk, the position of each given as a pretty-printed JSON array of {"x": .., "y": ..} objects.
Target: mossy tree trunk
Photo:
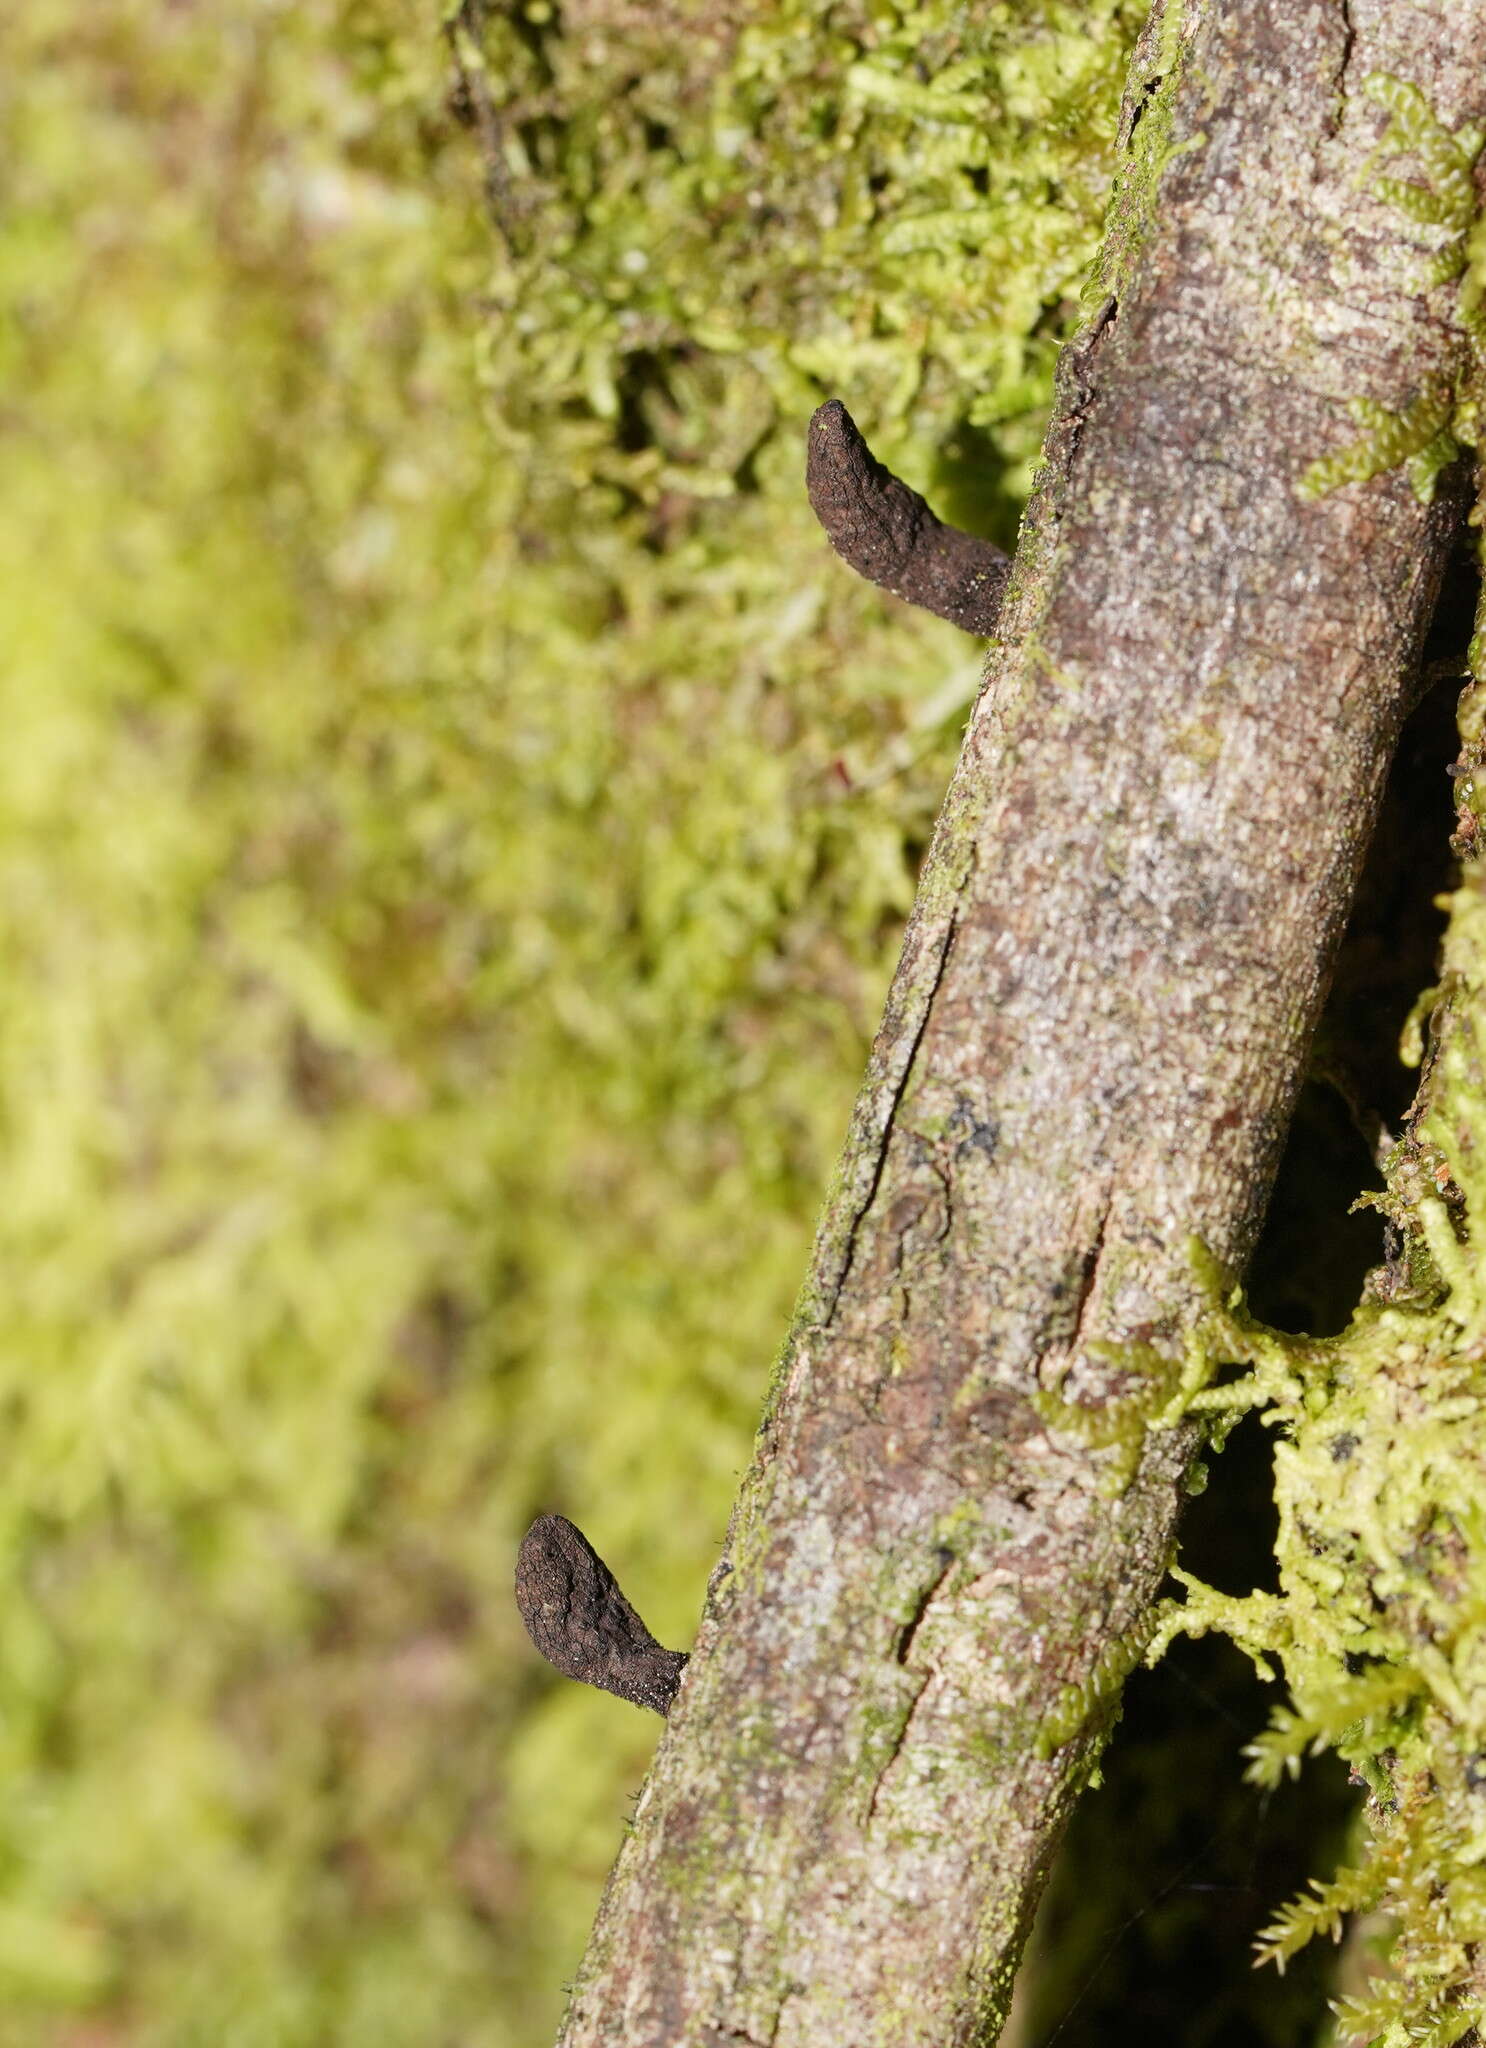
[{"x": 968, "y": 1479}]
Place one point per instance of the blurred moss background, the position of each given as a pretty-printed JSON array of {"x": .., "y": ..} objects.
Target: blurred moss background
[{"x": 458, "y": 817}]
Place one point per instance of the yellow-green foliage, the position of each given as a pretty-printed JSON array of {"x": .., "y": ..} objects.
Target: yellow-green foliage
[
  {"x": 1165, "y": 1391},
  {"x": 1379, "y": 1623},
  {"x": 1430, "y": 432},
  {"x": 1380, "y": 1481},
  {"x": 1445, "y": 159},
  {"x": 457, "y": 820}
]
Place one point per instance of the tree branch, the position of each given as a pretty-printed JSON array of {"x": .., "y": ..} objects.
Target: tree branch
[{"x": 967, "y": 1480}]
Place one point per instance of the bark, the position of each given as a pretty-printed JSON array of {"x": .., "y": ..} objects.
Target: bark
[{"x": 1091, "y": 1048}]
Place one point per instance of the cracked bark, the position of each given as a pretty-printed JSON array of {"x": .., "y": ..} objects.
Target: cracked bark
[{"x": 1090, "y": 1051}]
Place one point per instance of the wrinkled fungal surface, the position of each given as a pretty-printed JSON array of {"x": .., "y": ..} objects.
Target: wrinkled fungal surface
[
  {"x": 887, "y": 533},
  {"x": 580, "y": 1621}
]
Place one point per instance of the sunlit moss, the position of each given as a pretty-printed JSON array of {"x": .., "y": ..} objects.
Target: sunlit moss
[
  {"x": 458, "y": 817},
  {"x": 1380, "y": 1474}
]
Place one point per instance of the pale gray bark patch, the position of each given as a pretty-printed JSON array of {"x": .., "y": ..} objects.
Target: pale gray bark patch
[{"x": 1122, "y": 937}]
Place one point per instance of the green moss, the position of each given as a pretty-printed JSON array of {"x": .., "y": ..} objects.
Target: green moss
[
  {"x": 459, "y": 818},
  {"x": 1168, "y": 1390},
  {"x": 1418, "y": 439},
  {"x": 1445, "y": 157},
  {"x": 1078, "y": 1708},
  {"x": 1433, "y": 430},
  {"x": 1380, "y": 1471},
  {"x": 1150, "y": 148}
]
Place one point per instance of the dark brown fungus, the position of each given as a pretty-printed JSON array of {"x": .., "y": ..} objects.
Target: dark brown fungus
[
  {"x": 581, "y": 1622},
  {"x": 887, "y": 533}
]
